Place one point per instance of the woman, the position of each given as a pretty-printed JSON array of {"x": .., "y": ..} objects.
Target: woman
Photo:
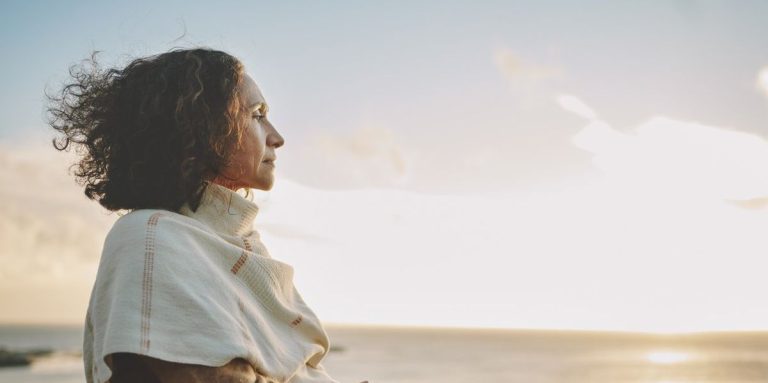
[{"x": 185, "y": 291}]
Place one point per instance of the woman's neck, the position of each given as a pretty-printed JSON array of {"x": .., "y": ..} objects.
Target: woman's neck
[{"x": 227, "y": 183}]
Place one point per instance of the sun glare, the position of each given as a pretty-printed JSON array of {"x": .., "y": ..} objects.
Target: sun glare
[
  {"x": 667, "y": 357},
  {"x": 762, "y": 80}
]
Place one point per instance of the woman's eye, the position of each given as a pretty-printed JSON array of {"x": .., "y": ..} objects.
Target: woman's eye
[{"x": 259, "y": 113}]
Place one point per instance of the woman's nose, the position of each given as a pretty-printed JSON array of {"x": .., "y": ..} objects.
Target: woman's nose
[
  {"x": 280, "y": 141},
  {"x": 276, "y": 139}
]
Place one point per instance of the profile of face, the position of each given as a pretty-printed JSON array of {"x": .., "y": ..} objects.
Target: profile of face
[{"x": 253, "y": 165}]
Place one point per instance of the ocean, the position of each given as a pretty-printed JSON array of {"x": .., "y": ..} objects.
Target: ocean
[{"x": 421, "y": 355}]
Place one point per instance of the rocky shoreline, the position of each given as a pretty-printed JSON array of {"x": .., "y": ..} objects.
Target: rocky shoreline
[{"x": 11, "y": 358}]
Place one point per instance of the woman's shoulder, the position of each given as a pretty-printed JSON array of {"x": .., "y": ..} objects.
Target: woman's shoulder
[
  {"x": 162, "y": 243},
  {"x": 143, "y": 230},
  {"x": 142, "y": 221}
]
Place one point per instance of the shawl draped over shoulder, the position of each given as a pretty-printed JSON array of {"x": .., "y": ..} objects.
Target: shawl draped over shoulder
[{"x": 200, "y": 288}]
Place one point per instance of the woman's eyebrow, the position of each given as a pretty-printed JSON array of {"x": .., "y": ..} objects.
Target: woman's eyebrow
[{"x": 259, "y": 105}]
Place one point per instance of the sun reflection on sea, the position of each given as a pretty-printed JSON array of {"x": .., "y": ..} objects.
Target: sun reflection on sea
[{"x": 667, "y": 357}]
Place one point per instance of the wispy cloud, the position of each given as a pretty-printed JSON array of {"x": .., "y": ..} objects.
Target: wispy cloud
[
  {"x": 601, "y": 255},
  {"x": 598, "y": 255},
  {"x": 50, "y": 233},
  {"x": 762, "y": 80},
  {"x": 574, "y": 105},
  {"x": 367, "y": 157},
  {"x": 673, "y": 156},
  {"x": 515, "y": 68}
]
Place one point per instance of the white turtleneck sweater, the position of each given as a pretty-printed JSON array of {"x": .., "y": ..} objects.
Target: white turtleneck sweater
[{"x": 200, "y": 288}]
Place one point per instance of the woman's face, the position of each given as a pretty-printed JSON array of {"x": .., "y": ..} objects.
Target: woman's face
[{"x": 253, "y": 165}]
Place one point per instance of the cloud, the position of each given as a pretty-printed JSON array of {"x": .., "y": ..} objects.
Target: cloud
[
  {"x": 599, "y": 255},
  {"x": 664, "y": 155},
  {"x": 602, "y": 255},
  {"x": 515, "y": 69},
  {"x": 367, "y": 157},
  {"x": 50, "y": 233},
  {"x": 649, "y": 235},
  {"x": 576, "y": 106},
  {"x": 762, "y": 80},
  {"x": 458, "y": 155},
  {"x": 291, "y": 232}
]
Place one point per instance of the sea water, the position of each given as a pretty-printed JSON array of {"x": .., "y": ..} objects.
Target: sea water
[{"x": 421, "y": 355}]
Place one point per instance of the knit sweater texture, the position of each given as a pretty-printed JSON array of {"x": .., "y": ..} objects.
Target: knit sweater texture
[{"x": 200, "y": 288}]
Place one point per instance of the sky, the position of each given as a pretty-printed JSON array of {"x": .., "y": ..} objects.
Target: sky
[{"x": 551, "y": 164}]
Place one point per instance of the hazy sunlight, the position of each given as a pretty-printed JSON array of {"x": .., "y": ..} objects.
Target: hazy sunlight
[{"x": 667, "y": 357}]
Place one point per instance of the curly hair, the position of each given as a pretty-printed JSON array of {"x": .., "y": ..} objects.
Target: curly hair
[{"x": 154, "y": 133}]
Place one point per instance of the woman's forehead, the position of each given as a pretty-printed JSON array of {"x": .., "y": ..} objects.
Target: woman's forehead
[{"x": 251, "y": 93}]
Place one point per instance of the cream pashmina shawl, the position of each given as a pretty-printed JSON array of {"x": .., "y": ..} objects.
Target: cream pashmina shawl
[{"x": 200, "y": 288}]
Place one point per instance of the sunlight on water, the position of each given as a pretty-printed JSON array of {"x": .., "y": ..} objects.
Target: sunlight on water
[
  {"x": 423, "y": 355},
  {"x": 667, "y": 357},
  {"x": 57, "y": 362}
]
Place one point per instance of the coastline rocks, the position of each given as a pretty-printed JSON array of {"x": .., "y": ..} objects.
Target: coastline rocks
[{"x": 9, "y": 358}]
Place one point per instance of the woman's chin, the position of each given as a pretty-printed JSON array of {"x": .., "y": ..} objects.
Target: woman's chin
[{"x": 265, "y": 185}]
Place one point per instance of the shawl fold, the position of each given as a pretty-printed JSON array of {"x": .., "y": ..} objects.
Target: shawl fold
[{"x": 200, "y": 288}]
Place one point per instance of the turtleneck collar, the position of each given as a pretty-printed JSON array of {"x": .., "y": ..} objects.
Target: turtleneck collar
[{"x": 224, "y": 210}]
